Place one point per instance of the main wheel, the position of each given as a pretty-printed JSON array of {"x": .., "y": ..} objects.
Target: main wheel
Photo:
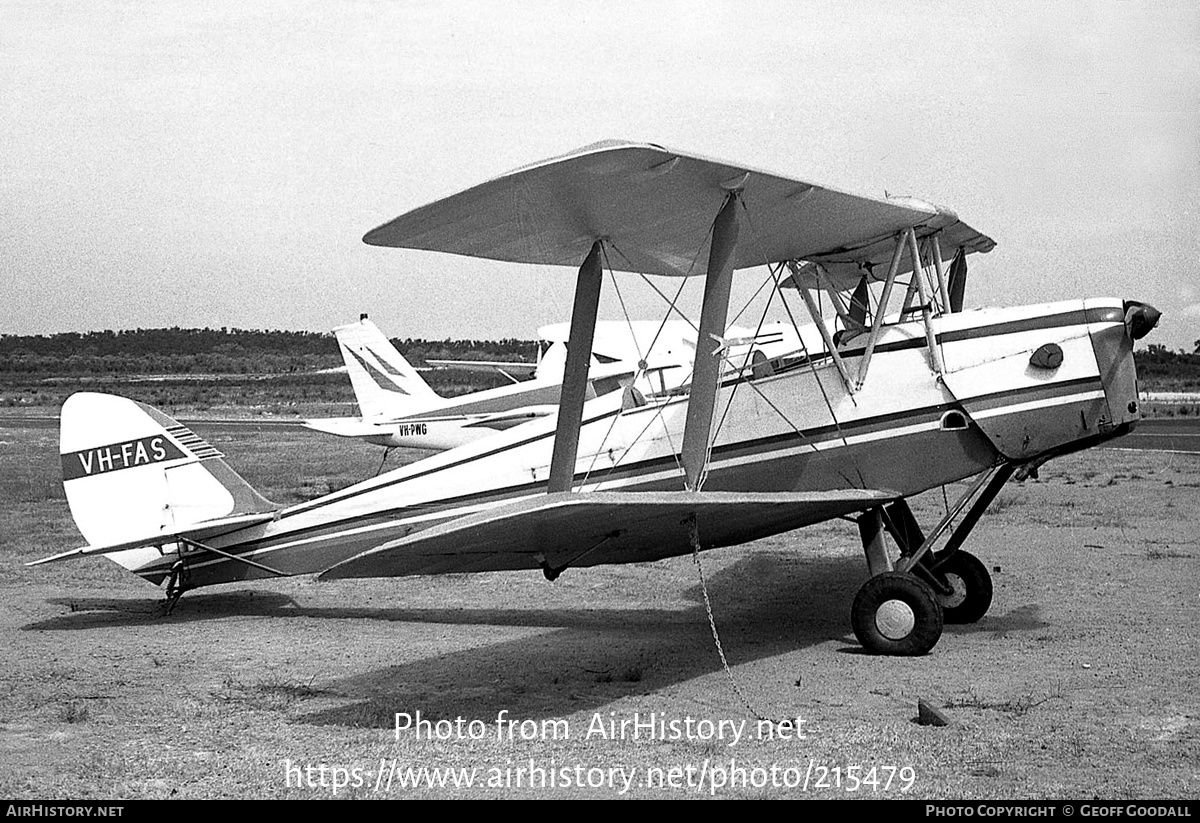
[
  {"x": 972, "y": 588},
  {"x": 896, "y": 614}
]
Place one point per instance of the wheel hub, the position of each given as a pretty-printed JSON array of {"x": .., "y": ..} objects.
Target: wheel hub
[
  {"x": 958, "y": 593},
  {"x": 895, "y": 619}
]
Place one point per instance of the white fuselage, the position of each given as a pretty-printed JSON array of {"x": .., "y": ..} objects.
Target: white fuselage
[{"x": 799, "y": 429}]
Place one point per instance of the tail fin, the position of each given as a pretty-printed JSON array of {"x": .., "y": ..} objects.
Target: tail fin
[
  {"x": 133, "y": 475},
  {"x": 384, "y": 382},
  {"x": 552, "y": 363}
]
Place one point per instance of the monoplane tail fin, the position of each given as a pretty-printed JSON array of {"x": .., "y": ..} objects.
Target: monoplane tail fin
[{"x": 384, "y": 382}]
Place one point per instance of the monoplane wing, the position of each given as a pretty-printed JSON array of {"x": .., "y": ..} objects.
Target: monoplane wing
[
  {"x": 512, "y": 369},
  {"x": 565, "y": 529},
  {"x": 506, "y": 420},
  {"x": 655, "y": 207}
]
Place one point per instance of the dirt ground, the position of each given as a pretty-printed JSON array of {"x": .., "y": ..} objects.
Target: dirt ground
[{"x": 1080, "y": 682}]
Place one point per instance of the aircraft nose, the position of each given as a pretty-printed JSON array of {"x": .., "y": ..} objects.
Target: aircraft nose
[{"x": 1140, "y": 319}]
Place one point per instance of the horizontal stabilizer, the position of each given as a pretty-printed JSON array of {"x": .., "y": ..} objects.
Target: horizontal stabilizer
[
  {"x": 587, "y": 529},
  {"x": 195, "y": 531},
  {"x": 342, "y": 426}
]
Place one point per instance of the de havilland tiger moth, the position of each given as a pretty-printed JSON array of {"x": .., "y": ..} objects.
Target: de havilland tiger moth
[{"x": 905, "y": 393}]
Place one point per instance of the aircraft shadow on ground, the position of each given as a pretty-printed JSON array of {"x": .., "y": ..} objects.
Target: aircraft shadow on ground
[
  {"x": 757, "y": 589},
  {"x": 596, "y": 657},
  {"x": 1025, "y": 618},
  {"x": 765, "y": 606},
  {"x": 113, "y": 612}
]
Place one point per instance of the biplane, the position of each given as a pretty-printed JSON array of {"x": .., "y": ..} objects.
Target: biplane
[{"x": 904, "y": 392}]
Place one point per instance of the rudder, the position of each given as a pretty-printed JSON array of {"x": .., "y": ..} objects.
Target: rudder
[{"x": 130, "y": 471}]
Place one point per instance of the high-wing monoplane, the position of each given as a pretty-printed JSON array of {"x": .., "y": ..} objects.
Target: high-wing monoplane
[
  {"x": 671, "y": 344},
  {"x": 398, "y": 408},
  {"x": 905, "y": 393}
]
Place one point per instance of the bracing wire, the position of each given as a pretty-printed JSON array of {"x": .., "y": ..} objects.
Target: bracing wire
[
  {"x": 637, "y": 375},
  {"x": 612, "y": 275},
  {"x": 816, "y": 377},
  {"x": 669, "y": 400},
  {"x": 750, "y": 300},
  {"x": 672, "y": 306},
  {"x": 671, "y": 302}
]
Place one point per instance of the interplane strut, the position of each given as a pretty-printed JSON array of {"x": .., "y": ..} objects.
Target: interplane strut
[
  {"x": 575, "y": 372},
  {"x": 706, "y": 372}
]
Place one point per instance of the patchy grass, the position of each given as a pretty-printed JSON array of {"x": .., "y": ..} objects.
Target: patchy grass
[
  {"x": 273, "y": 692},
  {"x": 1017, "y": 706},
  {"x": 1157, "y": 553},
  {"x": 75, "y": 712},
  {"x": 1079, "y": 682}
]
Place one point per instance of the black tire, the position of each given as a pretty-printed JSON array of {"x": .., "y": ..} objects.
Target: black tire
[
  {"x": 896, "y": 614},
  {"x": 972, "y": 585}
]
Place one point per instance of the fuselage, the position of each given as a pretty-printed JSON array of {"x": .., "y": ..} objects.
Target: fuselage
[
  {"x": 793, "y": 425},
  {"x": 447, "y": 423}
]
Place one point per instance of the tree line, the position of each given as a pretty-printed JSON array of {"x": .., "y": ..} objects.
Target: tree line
[
  {"x": 248, "y": 351},
  {"x": 1168, "y": 369},
  {"x": 229, "y": 351}
]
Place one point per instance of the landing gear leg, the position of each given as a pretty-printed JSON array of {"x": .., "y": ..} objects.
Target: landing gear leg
[
  {"x": 386, "y": 451},
  {"x": 177, "y": 584},
  {"x": 960, "y": 581},
  {"x": 892, "y": 612}
]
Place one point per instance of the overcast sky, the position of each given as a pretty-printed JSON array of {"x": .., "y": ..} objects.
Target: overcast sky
[{"x": 216, "y": 164}]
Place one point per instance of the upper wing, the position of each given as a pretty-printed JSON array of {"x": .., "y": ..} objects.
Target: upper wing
[
  {"x": 655, "y": 207},
  {"x": 568, "y": 529}
]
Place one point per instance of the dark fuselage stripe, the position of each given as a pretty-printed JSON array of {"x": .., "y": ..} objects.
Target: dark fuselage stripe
[
  {"x": 760, "y": 447},
  {"x": 1077, "y": 317},
  {"x": 1070, "y": 318}
]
